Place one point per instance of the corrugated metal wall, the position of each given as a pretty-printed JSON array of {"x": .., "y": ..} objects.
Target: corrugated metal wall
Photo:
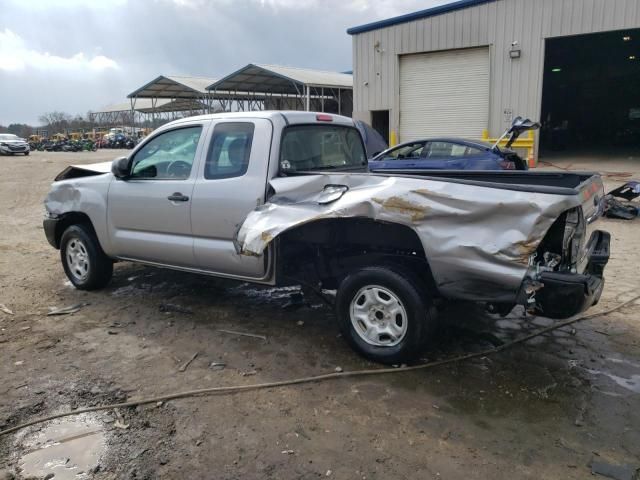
[{"x": 516, "y": 85}]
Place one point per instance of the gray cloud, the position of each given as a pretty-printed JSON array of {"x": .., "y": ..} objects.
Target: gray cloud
[{"x": 78, "y": 56}]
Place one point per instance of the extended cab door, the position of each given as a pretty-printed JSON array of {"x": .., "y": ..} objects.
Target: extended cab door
[
  {"x": 231, "y": 183},
  {"x": 148, "y": 213}
]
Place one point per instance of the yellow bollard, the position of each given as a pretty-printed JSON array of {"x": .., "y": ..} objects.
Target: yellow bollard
[{"x": 393, "y": 140}]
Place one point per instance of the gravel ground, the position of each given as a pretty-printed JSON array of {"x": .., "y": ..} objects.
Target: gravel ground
[{"x": 544, "y": 410}]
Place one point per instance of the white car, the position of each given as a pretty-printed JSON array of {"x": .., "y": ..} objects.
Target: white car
[{"x": 11, "y": 144}]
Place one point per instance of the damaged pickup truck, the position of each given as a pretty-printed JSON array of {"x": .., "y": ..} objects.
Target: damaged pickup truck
[{"x": 285, "y": 198}]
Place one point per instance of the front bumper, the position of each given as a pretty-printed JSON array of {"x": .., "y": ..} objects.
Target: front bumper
[
  {"x": 564, "y": 295},
  {"x": 14, "y": 148},
  {"x": 50, "y": 224}
]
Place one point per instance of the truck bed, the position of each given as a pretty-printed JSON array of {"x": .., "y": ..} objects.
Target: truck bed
[{"x": 557, "y": 183}]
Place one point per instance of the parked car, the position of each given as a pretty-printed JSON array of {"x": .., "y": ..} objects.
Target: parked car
[
  {"x": 284, "y": 198},
  {"x": 447, "y": 154},
  {"x": 11, "y": 144}
]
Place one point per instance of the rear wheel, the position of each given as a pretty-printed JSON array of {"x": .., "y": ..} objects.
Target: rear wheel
[
  {"x": 384, "y": 314},
  {"x": 84, "y": 262}
]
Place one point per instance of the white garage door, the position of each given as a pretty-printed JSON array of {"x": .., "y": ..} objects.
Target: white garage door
[{"x": 444, "y": 94}]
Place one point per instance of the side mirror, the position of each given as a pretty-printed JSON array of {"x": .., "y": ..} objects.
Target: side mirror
[{"x": 120, "y": 167}]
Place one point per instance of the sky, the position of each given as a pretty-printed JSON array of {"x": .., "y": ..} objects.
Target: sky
[{"x": 81, "y": 55}]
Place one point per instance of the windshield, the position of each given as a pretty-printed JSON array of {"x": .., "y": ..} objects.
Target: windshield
[
  {"x": 321, "y": 147},
  {"x": 8, "y": 136}
]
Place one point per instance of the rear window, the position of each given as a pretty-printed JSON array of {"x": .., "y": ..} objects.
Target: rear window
[
  {"x": 229, "y": 150},
  {"x": 321, "y": 147}
]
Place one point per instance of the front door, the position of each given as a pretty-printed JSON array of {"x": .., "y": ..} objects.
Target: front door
[
  {"x": 231, "y": 183},
  {"x": 149, "y": 213}
]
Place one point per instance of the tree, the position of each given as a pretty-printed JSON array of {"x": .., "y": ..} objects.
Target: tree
[
  {"x": 20, "y": 129},
  {"x": 55, "y": 121}
]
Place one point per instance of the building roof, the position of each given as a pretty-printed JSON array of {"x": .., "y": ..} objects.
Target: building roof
[
  {"x": 145, "y": 105},
  {"x": 278, "y": 79},
  {"x": 174, "y": 86},
  {"x": 409, "y": 17}
]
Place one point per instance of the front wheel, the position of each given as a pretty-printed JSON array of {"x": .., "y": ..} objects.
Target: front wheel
[
  {"x": 84, "y": 261},
  {"x": 384, "y": 314}
]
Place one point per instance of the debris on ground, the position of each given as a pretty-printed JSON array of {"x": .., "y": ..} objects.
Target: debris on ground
[
  {"x": 217, "y": 365},
  {"x": 186, "y": 364},
  {"x": 617, "y": 472},
  {"x": 629, "y": 191},
  {"x": 173, "y": 308},
  {"x": 288, "y": 452},
  {"x": 243, "y": 334},
  {"x": 338, "y": 369},
  {"x": 120, "y": 422},
  {"x": 249, "y": 373},
  {"x": 625, "y": 210},
  {"x": 3, "y": 308},
  {"x": 66, "y": 310},
  {"x": 296, "y": 301}
]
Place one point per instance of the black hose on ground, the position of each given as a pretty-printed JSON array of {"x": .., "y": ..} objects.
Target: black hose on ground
[{"x": 319, "y": 378}]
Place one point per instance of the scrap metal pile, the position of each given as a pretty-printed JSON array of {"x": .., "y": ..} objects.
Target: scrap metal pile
[{"x": 620, "y": 201}]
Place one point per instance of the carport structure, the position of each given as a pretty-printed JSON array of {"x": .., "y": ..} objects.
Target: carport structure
[
  {"x": 146, "y": 109},
  {"x": 274, "y": 87},
  {"x": 174, "y": 94}
]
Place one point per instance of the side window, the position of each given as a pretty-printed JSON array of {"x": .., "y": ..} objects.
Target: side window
[
  {"x": 169, "y": 156},
  {"x": 448, "y": 149},
  {"x": 229, "y": 150},
  {"x": 439, "y": 149},
  {"x": 413, "y": 150}
]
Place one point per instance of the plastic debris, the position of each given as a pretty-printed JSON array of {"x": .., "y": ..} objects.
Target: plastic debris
[
  {"x": 243, "y": 334},
  {"x": 3, "y": 308},
  {"x": 172, "y": 307},
  {"x": 66, "y": 310},
  {"x": 217, "y": 365}
]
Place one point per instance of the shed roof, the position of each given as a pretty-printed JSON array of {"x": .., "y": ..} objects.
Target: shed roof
[
  {"x": 174, "y": 86},
  {"x": 279, "y": 79},
  {"x": 409, "y": 17},
  {"x": 145, "y": 105}
]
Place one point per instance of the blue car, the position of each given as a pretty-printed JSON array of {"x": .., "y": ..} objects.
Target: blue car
[{"x": 447, "y": 154}]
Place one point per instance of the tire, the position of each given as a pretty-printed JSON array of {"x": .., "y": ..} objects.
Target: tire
[
  {"x": 395, "y": 320},
  {"x": 83, "y": 260},
  {"x": 26, "y": 153}
]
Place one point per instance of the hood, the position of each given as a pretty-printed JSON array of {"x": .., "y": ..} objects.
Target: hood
[{"x": 76, "y": 171}]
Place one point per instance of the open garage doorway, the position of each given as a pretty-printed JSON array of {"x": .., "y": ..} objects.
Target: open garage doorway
[{"x": 591, "y": 96}]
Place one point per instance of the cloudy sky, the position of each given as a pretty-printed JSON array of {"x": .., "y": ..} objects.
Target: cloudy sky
[{"x": 80, "y": 55}]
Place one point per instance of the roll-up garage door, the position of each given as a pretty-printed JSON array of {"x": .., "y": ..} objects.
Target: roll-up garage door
[{"x": 444, "y": 94}]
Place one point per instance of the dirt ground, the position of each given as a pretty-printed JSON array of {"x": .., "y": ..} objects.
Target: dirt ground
[{"x": 544, "y": 410}]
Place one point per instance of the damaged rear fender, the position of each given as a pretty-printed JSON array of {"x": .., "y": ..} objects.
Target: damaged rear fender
[{"x": 477, "y": 239}]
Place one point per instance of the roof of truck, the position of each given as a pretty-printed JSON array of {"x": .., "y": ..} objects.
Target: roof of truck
[{"x": 290, "y": 116}]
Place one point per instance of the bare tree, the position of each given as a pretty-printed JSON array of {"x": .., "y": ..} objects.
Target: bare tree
[{"x": 55, "y": 121}]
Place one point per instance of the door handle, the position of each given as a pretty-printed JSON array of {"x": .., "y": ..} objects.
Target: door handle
[{"x": 178, "y": 197}]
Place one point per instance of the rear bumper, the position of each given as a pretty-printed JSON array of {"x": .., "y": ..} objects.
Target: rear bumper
[{"x": 566, "y": 294}]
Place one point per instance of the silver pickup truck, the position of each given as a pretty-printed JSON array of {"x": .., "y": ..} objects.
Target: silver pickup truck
[{"x": 285, "y": 198}]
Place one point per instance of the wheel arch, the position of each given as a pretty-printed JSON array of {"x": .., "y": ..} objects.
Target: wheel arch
[
  {"x": 326, "y": 250},
  {"x": 72, "y": 218}
]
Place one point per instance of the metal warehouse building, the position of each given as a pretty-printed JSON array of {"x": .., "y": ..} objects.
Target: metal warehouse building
[{"x": 472, "y": 65}]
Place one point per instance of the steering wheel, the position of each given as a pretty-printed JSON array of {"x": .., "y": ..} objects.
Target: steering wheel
[{"x": 179, "y": 169}]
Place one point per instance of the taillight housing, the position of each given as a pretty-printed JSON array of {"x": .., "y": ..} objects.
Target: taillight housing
[
  {"x": 507, "y": 165},
  {"x": 323, "y": 117}
]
